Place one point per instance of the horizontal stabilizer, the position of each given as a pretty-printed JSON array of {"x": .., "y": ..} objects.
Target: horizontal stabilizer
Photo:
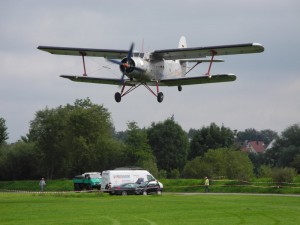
[{"x": 201, "y": 60}]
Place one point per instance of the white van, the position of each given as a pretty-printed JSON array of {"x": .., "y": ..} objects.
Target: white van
[{"x": 117, "y": 177}]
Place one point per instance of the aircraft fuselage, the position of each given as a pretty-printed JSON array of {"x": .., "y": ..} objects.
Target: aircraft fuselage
[{"x": 155, "y": 70}]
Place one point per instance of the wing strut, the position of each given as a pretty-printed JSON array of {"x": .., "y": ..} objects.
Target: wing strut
[
  {"x": 192, "y": 68},
  {"x": 213, "y": 53},
  {"x": 83, "y": 61}
]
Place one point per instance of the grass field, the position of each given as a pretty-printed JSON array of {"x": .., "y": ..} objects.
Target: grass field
[{"x": 97, "y": 208}]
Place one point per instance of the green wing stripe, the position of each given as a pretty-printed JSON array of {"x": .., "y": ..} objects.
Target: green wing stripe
[{"x": 198, "y": 80}]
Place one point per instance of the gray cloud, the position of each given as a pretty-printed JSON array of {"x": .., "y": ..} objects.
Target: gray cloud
[{"x": 265, "y": 95}]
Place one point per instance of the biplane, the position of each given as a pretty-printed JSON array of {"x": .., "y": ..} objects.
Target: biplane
[{"x": 167, "y": 67}]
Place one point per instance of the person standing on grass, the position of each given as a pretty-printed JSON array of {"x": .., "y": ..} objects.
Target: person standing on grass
[
  {"x": 42, "y": 184},
  {"x": 206, "y": 184}
]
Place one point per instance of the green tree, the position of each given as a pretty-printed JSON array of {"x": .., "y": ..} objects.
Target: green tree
[
  {"x": 87, "y": 125},
  {"x": 296, "y": 163},
  {"x": 249, "y": 134},
  {"x": 252, "y": 134},
  {"x": 20, "y": 161},
  {"x": 239, "y": 166},
  {"x": 197, "y": 168},
  {"x": 169, "y": 144},
  {"x": 71, "y": 137},
  {"x": 138, "y": 151},
  {"x": 290, "y": 136},
  {"x": 285, "y": 149},
  {"x": 211, "y": 137},
  {"x": 220, "y": 162},
  {"x": 3, "y": 131},
  {"x": 191, "y": 133},
  {"x": 267, "y": 136},
  {"x": 47, "y": 130}
]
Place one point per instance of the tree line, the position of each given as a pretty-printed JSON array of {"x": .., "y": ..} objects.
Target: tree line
[{"x": 75, "y": 138}]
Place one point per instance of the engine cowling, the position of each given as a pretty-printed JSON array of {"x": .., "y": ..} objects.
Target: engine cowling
[{"x": 127, "y": 65}]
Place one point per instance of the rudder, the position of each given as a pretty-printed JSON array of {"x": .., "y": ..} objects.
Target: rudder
[{"x": 182, "y": 42}]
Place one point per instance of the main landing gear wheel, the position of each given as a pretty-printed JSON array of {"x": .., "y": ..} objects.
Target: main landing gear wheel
[
  {"x": 118, "y": 96},
  {"x": 160, "y": 97},
  {"x": 179, "y": 88}
]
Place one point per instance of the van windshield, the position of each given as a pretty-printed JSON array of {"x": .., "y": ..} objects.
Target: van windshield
[{"x": 150, "y": 178}]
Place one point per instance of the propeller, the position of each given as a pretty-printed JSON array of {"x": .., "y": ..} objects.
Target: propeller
[{"x": 127, "y": 64}]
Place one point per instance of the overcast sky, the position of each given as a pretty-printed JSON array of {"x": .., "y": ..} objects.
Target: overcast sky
[{"x": 266, "y": 94}]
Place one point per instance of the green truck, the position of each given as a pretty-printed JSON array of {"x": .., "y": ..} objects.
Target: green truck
[{"x": 87, "y": 181}]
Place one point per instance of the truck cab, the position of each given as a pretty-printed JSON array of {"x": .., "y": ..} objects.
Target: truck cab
[{"x": 88, "y": 181}]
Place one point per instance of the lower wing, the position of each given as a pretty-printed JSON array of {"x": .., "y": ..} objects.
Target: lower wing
[
  {"x": 198, "y": 80},
  {"x": 98, "y": 80},
  {"x": 165, "y": 82}
]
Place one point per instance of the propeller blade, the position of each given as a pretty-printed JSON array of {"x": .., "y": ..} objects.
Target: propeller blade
[
  {"x": 122, "y": 78},
  {"x": 114, "y": 61},
  {"x": 130, "y": 51}
]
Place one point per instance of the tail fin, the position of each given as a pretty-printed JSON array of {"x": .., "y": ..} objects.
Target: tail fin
[{"x": 182, "y": 44}]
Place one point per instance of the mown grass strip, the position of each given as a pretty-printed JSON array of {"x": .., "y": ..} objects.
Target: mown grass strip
[{"x": 95, "y": 208}]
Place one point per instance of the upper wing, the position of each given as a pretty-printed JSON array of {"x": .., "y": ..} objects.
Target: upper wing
[
  {"x": 106, "y": 53},
  {"x": 190, "y": 53},
  {"x": 97, "y": 80},
  {"x": 198, "y": 80}
]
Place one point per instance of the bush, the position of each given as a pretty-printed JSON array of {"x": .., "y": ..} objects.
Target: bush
[
  {"x": 162, "y": 174},
  {"x": 282, "y": 175},
  {"x": 174, "y": 174},
  {"x": 220, "y": 162},
  {"x": 197, "y": 168},
  {"x": 265, "y": 171}
]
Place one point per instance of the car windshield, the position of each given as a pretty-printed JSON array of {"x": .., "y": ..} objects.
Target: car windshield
[
  {"x": 129, "y": 185},
  {"x": 143, "y": 184},
  {"x": 95, "y": 176}
]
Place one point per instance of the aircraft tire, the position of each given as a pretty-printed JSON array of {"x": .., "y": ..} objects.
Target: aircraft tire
[
  {"x": 118, "y": 96},
  {"x": 179, "y": 88},
  {"x": 160, "y": 97}
]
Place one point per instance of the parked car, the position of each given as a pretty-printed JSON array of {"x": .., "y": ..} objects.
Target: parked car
[
  {"x": 150, "y": 187},
  {"x": 124, "y": 189}
]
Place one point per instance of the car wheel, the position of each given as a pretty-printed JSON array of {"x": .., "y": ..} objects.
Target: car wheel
[
  {"x": 76, "y": 187},
  {"x": 124, "y": 193},
  {"x": 89, "y": 187}
]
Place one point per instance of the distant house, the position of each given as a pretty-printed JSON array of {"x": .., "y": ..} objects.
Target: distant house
[{"x": 256, "y": 147}]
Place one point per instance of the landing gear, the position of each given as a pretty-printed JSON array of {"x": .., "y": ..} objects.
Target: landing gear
[
  {"x": 157, "y": 94},
  {"x": 118, "y": 96},
  {"x": 179, "y": 88},
  {"x": 160, "y": 97}
]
